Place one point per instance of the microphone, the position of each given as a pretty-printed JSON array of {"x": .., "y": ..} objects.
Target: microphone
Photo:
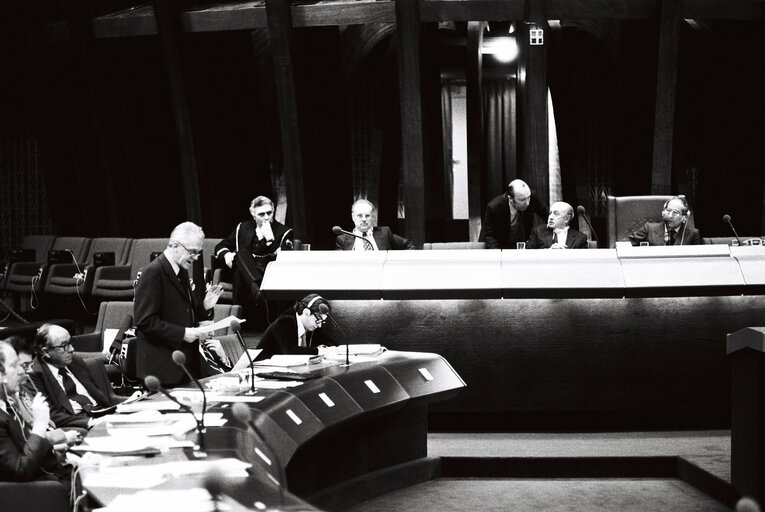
[
  {"x": 726, "y": 219},
  {"x": 179, "y": 358},
  {"x": 214, "y": 482},
  {"x": 243, "y": 413},
  {"x": 340, "y": 231},
  {"x": 580, "y": 210},
  {"x": 152, "y": 384},
  {"x": 237, "y": 327},
  {"x": 324, "y": 310}
]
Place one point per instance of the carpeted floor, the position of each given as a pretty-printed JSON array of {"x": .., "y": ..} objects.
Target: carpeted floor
[{"x": 500, "y": 457}]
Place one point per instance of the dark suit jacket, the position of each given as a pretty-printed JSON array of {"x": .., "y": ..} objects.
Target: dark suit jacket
[
  {"x": 248, "y": 271},
  {"x": 20, "y": 460},
  {"x": 495, "y": 229},
  {"x": 61, "y": 412},
  {"x": 163, "y": 310},
  {"x": 281, "y": 338},
  {"x": 653, "y": 233},
  {"x": 385, "y": 239},
  {"x": 542, "y": 236}
]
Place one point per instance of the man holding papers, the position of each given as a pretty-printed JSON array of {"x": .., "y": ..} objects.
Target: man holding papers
[
  {"x": 167, "y": 312},
  {"x": 294, "y": 331}
]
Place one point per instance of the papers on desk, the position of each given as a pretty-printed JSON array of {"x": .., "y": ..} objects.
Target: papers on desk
[
  {"x": 188, "y": 500},
  {"x": 288, "y": 360},
  {"x": 151, "y": 405},
  {"x": 244, "y": 362},
  {"x": 358, "y": 353}
]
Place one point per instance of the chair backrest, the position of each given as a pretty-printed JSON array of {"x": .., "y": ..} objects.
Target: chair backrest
[
  {"x": 140, "y": 253},
  {"x": 77, "y": 244},
  {"x": 41, "y": 244},
  {"x": 221, "y": 311},
  {"x": 119, "y": 246},
  {"x": 436, "y": 246},
  {"x": 113, "y": 315},
  {"x": 627, "y": 214}
]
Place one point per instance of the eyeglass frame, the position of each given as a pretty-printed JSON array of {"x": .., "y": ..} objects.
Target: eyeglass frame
[
  {"x": 64, "y": 346},
  {"x": 195, "y": 254}
]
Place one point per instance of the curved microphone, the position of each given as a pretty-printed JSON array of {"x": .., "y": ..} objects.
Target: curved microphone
[
  {"x": 236, "y": 326},
  {"x": 726, "y": 219},
  {"x": 581, "y": 211},
  {"x": 179, "y": 358},
  {"x": 243, "y": 413},
  {"x": 152, "y": 384},
  {"x": 324, "y": 310},
  {"x": 337, "y": 230}
]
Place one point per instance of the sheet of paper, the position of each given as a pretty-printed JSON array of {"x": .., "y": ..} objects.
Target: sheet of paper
[
  {"x": 150, "y": 405},
  {"x": 109, "y": 335},
  {"x": 238, "y": 398},
  {"x": 243, "y": 361},
  {"x": 220, "y": 324},
  {"x": 287, "y": 360}
]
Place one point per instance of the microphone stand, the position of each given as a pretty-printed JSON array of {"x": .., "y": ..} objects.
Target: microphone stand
[
  {"x": 199, "y": 450},
  {"x": 236, "y": 327},
  {"x": 337, "y": 230},
  {"x": 179, "y": 358}
]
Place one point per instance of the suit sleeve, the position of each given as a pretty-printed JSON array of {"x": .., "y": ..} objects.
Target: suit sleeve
[
  {"x": 534, "y": 241},
  {"x": 580, "y": 241},
  {"x": 641, "y": 235},
  {"x": 339, "y": 246},
  {"x": 23, "y": 466},
  {"x": 147, "y": 310},
  {"x": 399, "y": 242},
  {"x": 58, "y": 414},
  {"x": 282, "y": 338},
  {"x": 488, "y": 230},
  {"x": 226, "y": 245},
  {"x": 538, "y": 206},
  {"x": 695, "y": 238}
]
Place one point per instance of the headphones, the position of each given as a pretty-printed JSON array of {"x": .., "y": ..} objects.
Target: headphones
[
  {"x": 302, "y": 305},
  {"x": 686, "y": 209}
]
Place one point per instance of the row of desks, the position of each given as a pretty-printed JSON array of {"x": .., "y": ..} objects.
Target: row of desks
[
  {"x": 679, "y": 271},
  {"x": 330, "y": 429}
]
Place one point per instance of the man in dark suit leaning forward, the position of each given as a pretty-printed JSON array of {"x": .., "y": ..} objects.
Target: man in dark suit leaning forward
[
  {"x": 556, "y": 234},
  {"x": 509, "y": 218},
  {"x": 378, "y": 238},
  {"x": 167, "y": 311}
]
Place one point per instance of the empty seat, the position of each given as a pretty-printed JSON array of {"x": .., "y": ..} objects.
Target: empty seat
[
  {"x": 116, "y": 282},
  {"x": 627, "y": 214},
  {"x": 22, "y": 274},
  {"x": 111, "y": 315},
  {"x": 61, "y": 276}
]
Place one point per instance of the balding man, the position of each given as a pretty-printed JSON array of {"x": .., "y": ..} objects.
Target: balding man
[
  {"x": 556, "y": 234},
  {"x": 672, "y": 230},
  {"x": 167, "y": 313},
  {"x": 510, "y": 217},
  {"x": 64, "y": 380},
  {"x": 369, "y": 237}
]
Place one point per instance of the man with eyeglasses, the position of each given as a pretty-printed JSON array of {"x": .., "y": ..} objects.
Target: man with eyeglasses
[
  {"x": 250, "y": 247},
  {"x": 673, "y": 228},
  {"x": 167, "y": 312},
  {"x": 557, "y": 234},
  {"x": 295, "y": 331},
  {"x": 64, "y": 380}
]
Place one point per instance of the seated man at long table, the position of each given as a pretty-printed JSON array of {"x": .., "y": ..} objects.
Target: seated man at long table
[
  {"x": 367, "y": 237},
  {"x": 294, "y": 332},
  {"x": 673, "y": 228},
  {"x": 557, "y": 234}
]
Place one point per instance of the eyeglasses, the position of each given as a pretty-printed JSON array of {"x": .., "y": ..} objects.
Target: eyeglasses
[
  {"x": 194, "y": 253},
  {"x": 319, "y": 319},
  {"x": 673, "y": 213},
  {"x": 64, "y": 346}
]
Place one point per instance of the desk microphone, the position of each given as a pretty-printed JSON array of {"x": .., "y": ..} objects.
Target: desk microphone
[
  {"x": 324, "y": 310},
  {"x": 726, "y": 219},
  {"x": 340, "y": 231},
  {"x": 237, "y": 327},
  {"x": 152, "y": 384},
  {"x": 214, "y": 482},
  {"x": 179, "y": 358},
  {"x": 243, "y": 413},
  {"x": 580, "y": 210}
]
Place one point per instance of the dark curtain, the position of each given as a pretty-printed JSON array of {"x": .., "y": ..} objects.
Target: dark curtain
[
  {"x": 499, "y": 118},
  {"x": 446, "y": 134}
]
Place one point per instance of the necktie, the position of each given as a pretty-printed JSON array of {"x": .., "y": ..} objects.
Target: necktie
[
  {"x": 555, "y": 238},
  {"x": 71, "y": 391},
  {"x": 672, "y": 235},
  {"x": 367, "y": 242},
  {"x": 183, "y": 277}
]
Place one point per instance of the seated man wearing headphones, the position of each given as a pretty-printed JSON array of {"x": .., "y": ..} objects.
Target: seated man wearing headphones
[
  {"x": 294, "y": 331},
  {"x": 672, "y": 230}
]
